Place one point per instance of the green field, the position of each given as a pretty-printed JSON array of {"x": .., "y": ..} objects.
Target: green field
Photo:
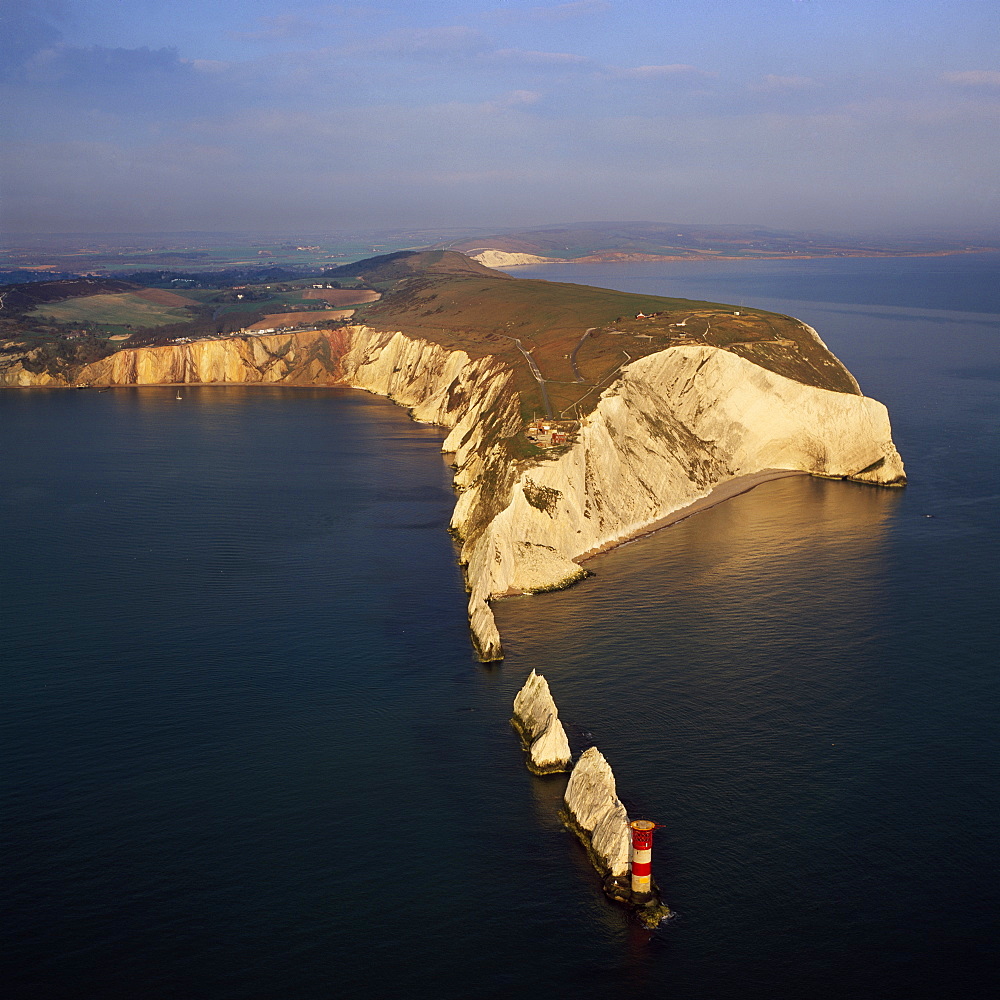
[{"x": 122, "y": 309}]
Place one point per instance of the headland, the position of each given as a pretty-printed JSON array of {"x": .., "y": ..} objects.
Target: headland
[{"x": 577, "y": 417}]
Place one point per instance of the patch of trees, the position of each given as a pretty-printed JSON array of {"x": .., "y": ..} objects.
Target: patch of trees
[
  {"x": 25, "y": 296},
  {"x": 21, "y": 276},
  {"x": 223, "y": 278},
  {"x": 243, "y": 295},
  {"x": 202, "y": 326}
]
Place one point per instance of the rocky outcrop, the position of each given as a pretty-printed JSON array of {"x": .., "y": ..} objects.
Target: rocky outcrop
[
  {"x": 596, "y": 815},
  {"x": 17, "y": 376},
  {"x": 671, "y": 428},
  {"x": 595, "y": 811},
  {"x": 536, "y": 718}
]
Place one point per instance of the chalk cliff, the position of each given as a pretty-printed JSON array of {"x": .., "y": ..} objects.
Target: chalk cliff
[
  {"x": 670, "y": 428},
  {"x": 594, "y": 808},
  {"x": 537, "y": 720},
  {"x": 503, "y": 258},
  {"x": 675, "y": 425}
]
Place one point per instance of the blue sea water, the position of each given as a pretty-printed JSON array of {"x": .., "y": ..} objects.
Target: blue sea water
[{"x": 248, "y": 754}]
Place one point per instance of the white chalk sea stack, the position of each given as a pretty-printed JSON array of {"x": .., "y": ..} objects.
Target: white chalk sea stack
[
  {"x": 594, "y": 808},
  {"x": 537, "y": 720}
]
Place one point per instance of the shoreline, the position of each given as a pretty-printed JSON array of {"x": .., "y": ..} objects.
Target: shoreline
[{"x": 719, "y": 494}]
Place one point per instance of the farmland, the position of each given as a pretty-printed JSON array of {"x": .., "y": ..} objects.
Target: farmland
[
  {"x": 302, "y": 318},
  {"x": 119, "y": 309}
]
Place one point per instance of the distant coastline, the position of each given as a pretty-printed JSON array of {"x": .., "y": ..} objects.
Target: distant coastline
[{"x": 624, "y": 257}]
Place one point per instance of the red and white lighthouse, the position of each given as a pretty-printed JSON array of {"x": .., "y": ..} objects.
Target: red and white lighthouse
[{"x": 642, "y": 852}]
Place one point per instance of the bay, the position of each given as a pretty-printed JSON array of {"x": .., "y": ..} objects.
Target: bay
[{"x": 248, "y": 752}]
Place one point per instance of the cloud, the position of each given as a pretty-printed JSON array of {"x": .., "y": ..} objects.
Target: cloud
[
  {"x": 63, "y": 83},
  {"x": 521, "y": 98},
  {"x": 514, "y": 100},
  {"x": 25, "y": 28},
  {"x": 989, "y": 78},
  {"x": 454, "y": 40},
  {"x": 772, "y": 83},
  {"x": 669, "y": 71},
  {"x": 99, "y": 65},
  {"x": 208, "y": 65},
  {"x": 277, "y": 27},
  {"x": 527, "y": 57},
  {"x": 557, "y": 12}
]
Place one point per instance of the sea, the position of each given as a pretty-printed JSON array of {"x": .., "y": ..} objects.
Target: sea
[{"x": 248, "y": 753}]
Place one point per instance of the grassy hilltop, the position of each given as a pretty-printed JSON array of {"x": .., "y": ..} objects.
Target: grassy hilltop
[{"x": 454, "y": 301}]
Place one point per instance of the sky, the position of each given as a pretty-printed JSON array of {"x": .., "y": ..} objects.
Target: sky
[{"x": 287, "y": 116}]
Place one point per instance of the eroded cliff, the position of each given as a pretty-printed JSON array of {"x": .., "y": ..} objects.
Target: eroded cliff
[
  {"x": 674, "y": 426},
  {"x": 669, "y": 429}
]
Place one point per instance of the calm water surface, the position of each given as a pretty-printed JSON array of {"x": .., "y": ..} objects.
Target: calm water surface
[{"x": 248, "y": 753}]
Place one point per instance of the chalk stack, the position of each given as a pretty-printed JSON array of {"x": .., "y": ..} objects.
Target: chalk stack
[{"x": 536, "y": 718}]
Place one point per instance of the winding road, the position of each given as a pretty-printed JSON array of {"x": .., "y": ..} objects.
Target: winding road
[
  {"x": 572, "y": 357},
  {"x": 537, "y": 374}
]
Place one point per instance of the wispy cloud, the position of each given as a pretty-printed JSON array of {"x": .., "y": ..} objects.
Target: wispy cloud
[
  {"x": 553, "y": 12},
  {"x": 989, "y": 78},
  {"x": 527, "y": 57},
  {"x": 520, "y": 98},
  {"x": 100, "y": 65},
  {"x": 208, "y": 65},
  {"x": 773, "y": 83},
  {"x": 663, "y": 72},
  {"x": 452, "y": 40},
  {"x": 280, "y": 26}
]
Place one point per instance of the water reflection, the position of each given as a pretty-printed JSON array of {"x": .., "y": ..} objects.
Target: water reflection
[
  {"x": 547, "y": 798},
  {"x": 719, "y": 664},
  {"x": 754, "y": 575}
]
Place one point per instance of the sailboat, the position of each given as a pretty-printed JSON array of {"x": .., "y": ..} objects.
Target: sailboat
[{"x": 178, "y": 396}]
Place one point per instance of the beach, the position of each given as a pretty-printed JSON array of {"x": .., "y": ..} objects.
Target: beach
[{"x": 724, "y": 491}]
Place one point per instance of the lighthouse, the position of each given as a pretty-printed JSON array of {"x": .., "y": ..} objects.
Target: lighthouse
[{"x": 642, "y": 851}]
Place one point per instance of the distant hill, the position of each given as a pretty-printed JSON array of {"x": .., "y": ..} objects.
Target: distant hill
[
  {"x": 391, "y": 267},
  {"x": 610, "y": 241}
]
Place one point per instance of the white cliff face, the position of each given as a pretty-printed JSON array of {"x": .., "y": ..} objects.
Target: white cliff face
[
  {"x": 504, "y": 258},
  {"x": 537, "y": 718},
  {"x": 672, "y": 427},
  {"x": 593, "y": 805}
]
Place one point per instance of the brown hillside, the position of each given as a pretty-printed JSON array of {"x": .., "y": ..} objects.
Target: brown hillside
[
  {"x": 342, "y": 296},
  {"x": 163, "y": 297}
]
